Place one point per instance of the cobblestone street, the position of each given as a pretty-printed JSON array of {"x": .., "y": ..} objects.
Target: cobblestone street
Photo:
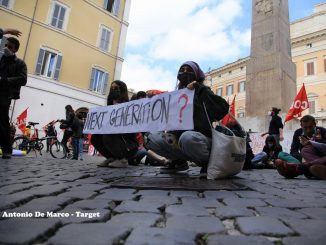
[{"x": 75, "y": 202}]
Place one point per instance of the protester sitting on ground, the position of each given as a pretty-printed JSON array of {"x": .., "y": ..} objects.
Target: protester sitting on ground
[
  {"x": 66, "y": 124},
  {"x": 307, "y": 147},
  {"x": 275, "y": 125},
  {"x": 141, "y": 152},
  {"x": 267, "y": 157},
  {"x": 189, "y": 145},
  {"x": 116, "y": 148}
]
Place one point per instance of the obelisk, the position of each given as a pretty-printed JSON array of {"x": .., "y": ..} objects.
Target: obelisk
[{"x": 271, "y": 74}]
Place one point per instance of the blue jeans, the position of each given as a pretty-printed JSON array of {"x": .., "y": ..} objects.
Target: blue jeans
[
  {"x": 75, "y": 145},
  {"x": 260, "y": 157},
  {"x": 81, "y": 148},
  {"x": 192, "y": 146}
]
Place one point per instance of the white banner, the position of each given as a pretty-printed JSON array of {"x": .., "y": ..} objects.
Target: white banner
[{"x": 168, "y": 111}]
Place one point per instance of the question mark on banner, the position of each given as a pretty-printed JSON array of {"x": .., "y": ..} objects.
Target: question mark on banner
[{"x": 184, "y": 106}]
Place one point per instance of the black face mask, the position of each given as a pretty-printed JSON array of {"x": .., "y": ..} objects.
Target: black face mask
[
  {"x": 186, "y": 77},
  {"x": 114, "y": 94}
]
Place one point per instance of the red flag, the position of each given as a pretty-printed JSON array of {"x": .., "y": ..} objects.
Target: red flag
[
  {"x": 300, "y": 104},
  {"x": 21, "y": 120},
  {"x": 227, "y": 117}
]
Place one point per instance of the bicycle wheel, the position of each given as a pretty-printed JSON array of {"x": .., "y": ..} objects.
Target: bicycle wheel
[
  {"x": 57, "y": 150},
  {"x": 20, "y": 143}
]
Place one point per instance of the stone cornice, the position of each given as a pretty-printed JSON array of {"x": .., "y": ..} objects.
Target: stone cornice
[
  {"x": 242, "y": 61},
  {"x": 309, "y": 37}
]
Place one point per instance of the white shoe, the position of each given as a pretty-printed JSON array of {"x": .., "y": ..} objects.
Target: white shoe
[
  {"x": 105, "y": 163},
  {"x": 119, "y": 163}
]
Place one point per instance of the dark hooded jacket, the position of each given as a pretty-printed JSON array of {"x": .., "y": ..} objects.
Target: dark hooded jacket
[
  {"x": 216, "y": 106},
  {"x": 13, "y": 72}
]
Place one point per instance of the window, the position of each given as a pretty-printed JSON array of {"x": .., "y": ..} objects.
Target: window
[
  {"x": 219, "y": 91},
  {"x": 59, "y": 15},
  {"x": 4, "y": 3},
  {"x": 241, "y": 86},
  {"x": 105, "y": 39},
  {"x": 310, "y": 68},
  {"x": 48, "y": 64},
  {"x": 312, "y": 107},
  {"x": 112, "y": 6},
  {"x": 241, "y": 114},
  {"x": 99, "y": 81},
  {"x": 229, "y": 90}
]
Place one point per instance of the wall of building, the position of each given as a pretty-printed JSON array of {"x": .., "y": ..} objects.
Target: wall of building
[{"x": 77, "y": 43}]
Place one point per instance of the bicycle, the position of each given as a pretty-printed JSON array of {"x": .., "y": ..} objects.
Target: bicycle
[{"x": 35, "y": 143}]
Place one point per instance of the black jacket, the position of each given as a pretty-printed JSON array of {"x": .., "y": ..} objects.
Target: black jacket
[
  {"x": 216, "y": 107},
  {"x": 13, "y": 72},
  {"x": 275, "y": 125},
  {"x": 272, "y": 154}
]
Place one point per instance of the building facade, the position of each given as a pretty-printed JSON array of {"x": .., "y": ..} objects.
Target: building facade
[
  {"x": 73, "y": 51},
  {"x": 308, "y": 41}
]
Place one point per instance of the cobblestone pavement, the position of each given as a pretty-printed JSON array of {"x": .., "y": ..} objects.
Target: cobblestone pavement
[{"x": 74, "y": 202}]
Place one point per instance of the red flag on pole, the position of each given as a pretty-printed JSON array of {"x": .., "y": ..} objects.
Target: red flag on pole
[
  {"x": 300, "y": 104},
  {"x": 21, "y": 120},
  {"x": 227, "y": 117}
]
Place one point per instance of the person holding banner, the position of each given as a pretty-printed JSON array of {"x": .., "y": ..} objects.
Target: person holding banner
[
  {"x": 275, "y": 125},
  {"x": 116, "y": 148},
  {"x": 13, "y": 75},
  {"x": 182, "y": 146}
]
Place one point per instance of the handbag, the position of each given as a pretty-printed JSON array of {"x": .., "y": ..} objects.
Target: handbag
[{"x": 228, "y": 152}]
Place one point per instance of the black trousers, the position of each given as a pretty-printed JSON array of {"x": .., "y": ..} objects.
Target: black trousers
[
  {"x": 113, "y": 146},
  {"x": 5, "y": 142},
  {"x": 66, "y": 136}
]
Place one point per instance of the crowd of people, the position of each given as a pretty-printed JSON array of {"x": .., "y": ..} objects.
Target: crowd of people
[{"x": 175, "y": 149}]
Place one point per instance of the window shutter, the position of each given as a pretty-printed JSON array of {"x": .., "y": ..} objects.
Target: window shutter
[
  {"x": 324, "y": 65},
  {"x": 61, "y": 17},
  {"x": 105, "y": 85},
  {"x": 107, "y": 40},
  {"x": 39, "y": 61},
  {"x": 57, "y": 67},
  {"x": 92, "y": 79},
  {"x": 239, "y": 87},
  {"x": 116, "y": 7}
]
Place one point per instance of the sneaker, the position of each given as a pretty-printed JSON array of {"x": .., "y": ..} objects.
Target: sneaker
[
  {"x": 119, "y": 163},
  {"x": 6, "y": 156},
  {"x": 288, "y": 170},
  {"x": 175, "y": 166},
  {"x": 318, "y": 171},
  {"x": 105, "y": 163},
  {"x": 203, "y": 172}
]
